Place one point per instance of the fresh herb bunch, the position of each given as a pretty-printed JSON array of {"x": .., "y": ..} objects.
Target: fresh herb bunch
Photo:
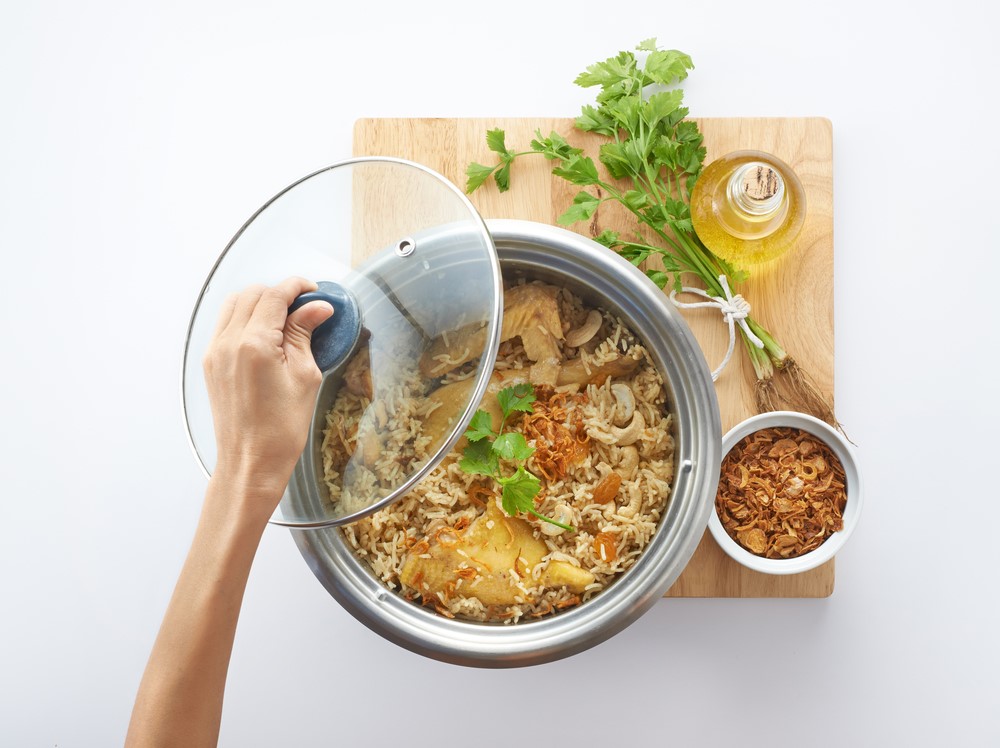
[
  {"x": 654, "y": 157},
  {"x": 487, "y": 448}
]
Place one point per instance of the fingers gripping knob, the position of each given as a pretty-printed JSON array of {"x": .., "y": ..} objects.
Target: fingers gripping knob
[{"x": 335, "y": 340}]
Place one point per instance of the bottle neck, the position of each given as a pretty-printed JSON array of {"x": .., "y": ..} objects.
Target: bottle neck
[{"x": 757, "y": 189}]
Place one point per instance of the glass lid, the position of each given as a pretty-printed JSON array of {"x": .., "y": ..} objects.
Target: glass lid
[{"x": 413, "y": 277}]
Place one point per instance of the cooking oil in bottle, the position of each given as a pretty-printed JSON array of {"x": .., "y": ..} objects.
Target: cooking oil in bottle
[{"x": 748, "y": 207}]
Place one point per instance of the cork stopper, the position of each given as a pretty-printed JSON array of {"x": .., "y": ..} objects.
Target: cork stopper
[{"x": 757, "y": 188}]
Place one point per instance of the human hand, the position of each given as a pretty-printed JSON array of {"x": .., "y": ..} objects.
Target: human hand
[{"x": 262, "y": 384}]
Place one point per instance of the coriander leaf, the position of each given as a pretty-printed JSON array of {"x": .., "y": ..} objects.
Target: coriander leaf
[
  {"x": 578, "y": 170},
  {"x": 626, "y": 113},
  {"x": 519, "y": 397},
  {"x": 502, "y": 177},
  {"x": 684, "y": 225},
  {"x": 584, "y": 206},
  {"x": 735, "y": 274},
  {"x": 613, "y": 157},
  {"x": 477, "y": 174},
  {"x": 635, "y": 255},
  {"x": 667, "y": 66},
  {"x": 611, "y": 94},
  {"x": 658, "y": 277},
  {"x": 661, "y": 105},
  {"x": 480, "y": 427},
  {"x": 637, "y": 151},
  {"x": 519, "y": 492},
  {"x": 608, "y": 238},
  {"x": 690, "y": 159},
  {"x": 670, "y": 264},
  {"x": 512, "y": 446},
  {"x": 554, "y": 146},
  {"x": 647, "y": 45},
  {"x": 609, "y": 72},
  {"x": 595, "y": 120},
  {"x": 665, "y": 150},
  {"x": 688, "y": 132},
  {"x": 676, "y": 209},
  {"x": 479, "y": 458},
  {"x": 495, "y": 141},
  {"x": 636, "y": 199}
]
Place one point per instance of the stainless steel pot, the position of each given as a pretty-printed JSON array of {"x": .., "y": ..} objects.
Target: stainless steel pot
[{"x": 601, "y": 278}]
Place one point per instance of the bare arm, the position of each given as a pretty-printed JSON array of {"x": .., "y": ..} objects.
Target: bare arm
[{"x": 262, "y": 383}]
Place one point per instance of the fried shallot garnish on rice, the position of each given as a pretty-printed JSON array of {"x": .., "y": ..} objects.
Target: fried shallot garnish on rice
[{"x": 558, "y": 433}]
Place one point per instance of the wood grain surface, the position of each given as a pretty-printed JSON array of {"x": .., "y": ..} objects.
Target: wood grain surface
[{"x": 791, "y": 297}]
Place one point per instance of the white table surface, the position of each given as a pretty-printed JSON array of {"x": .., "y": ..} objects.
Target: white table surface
[{"x": 135, "y": 138}]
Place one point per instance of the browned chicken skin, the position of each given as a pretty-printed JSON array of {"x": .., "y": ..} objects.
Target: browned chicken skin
[{"x": 530, "y": 312}]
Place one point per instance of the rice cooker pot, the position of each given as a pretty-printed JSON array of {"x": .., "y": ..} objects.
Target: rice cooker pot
[{"x": 602, "y": 278}]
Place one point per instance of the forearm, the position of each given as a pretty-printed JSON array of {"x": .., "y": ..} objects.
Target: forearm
[{"x": 180, "y": 697}]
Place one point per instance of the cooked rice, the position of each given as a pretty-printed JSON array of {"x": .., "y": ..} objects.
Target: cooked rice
[{"x": 442, "y": 499}]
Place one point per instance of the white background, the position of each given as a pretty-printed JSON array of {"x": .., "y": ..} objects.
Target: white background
[{"x": 135, "y": 138}]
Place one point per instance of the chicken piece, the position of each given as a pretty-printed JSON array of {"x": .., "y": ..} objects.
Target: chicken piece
[
  {"x": 358, "y": 374},
  {"x": 574, "y": 372},
  {"x": 501, "y": 551},
  {"x": 530, "y": 312},
  {"x": 451, "y": 399},
  {"x": 454, "y": 396},
  {"x": 564, "y": 574},
  {"x": 370, "y": 446}
]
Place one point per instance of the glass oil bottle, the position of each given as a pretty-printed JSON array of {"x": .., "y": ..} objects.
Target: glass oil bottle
[{"x": 748, "y": 207}]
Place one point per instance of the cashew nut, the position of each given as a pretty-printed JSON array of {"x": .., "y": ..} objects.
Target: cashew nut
[
  {"x": 626, "y": 403},
  {"x": 563, "y": 513},
  {"x": 631, "y": 433},
  {"x": 579, "y": 336},
  {"x": 629, "y": 461}
]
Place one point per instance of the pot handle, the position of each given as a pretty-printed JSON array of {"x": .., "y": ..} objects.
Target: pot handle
[{"x": 335, "y": 340}]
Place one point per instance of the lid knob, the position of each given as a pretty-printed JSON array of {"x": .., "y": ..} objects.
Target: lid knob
[{"x": 335, "y": 340}]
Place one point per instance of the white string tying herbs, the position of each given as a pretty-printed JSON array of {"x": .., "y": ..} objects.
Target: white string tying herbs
[{"x": 735, "y": 310}]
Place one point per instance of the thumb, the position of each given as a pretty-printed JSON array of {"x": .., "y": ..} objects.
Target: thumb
[{"x": 303, "y": 321}]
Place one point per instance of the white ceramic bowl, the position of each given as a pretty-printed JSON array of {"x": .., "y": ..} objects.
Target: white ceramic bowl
[{"x": 852, "y": 511}]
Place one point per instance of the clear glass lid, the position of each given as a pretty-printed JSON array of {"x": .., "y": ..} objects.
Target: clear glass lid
[{"x": 413, "y": 276}]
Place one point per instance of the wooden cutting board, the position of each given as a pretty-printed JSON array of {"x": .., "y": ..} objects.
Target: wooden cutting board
[{"x": 792, "y": 298}]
